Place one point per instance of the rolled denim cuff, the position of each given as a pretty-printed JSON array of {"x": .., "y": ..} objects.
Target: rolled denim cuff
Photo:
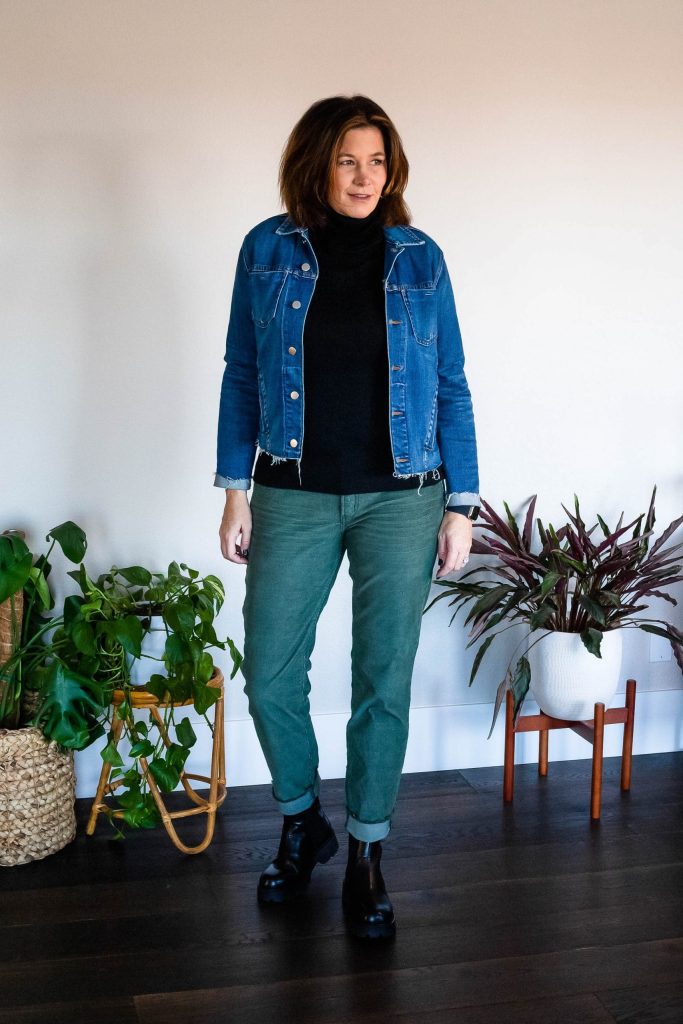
[
  {"x": 299, "y": 803},
  {"x": 367, "y": 832},
  {"x": 230, "y": 483},
  {"x": 463, "y": 498}
]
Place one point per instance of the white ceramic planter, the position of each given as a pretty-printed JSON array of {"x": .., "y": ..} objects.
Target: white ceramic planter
[
  {"x": 567, "y": 680},
  {"x": 153, "y": 644}
]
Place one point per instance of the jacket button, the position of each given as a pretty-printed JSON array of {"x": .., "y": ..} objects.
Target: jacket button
[
  {"x": 305, "y": 266},
  {"x": 296, "y": 304},
  {"x": 293, "y": 443},
  {"x": 291, "y": 350},
  {"x": 293, "y": 394}
]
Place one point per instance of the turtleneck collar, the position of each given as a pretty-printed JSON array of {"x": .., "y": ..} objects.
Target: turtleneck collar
[{"x": 343, "y": 233}]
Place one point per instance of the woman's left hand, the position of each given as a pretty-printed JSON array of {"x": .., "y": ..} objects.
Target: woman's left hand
[{"x": 455, "y": 541}]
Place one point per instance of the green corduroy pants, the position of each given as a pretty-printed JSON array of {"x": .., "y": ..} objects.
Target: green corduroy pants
[{"x": 297, "y": 545}]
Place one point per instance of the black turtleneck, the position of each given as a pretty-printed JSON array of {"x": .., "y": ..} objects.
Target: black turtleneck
[{"x": 346, "y": 443}]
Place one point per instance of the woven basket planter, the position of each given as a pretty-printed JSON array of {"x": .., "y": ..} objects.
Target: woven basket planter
[{"x": 37, "y": 796}]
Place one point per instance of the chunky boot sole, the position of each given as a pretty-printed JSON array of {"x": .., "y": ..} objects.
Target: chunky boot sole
[
  {"x": 299, "y": 884},
  {"x": 361, "y": 929}
]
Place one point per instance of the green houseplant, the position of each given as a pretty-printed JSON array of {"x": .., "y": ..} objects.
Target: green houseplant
[
  {"x": 102, "y": 639},
  {"x": 73, "y": 662},
  {"x": 574, "y": 582},
  {"x": 27, "y": 599},
  {"x": 37, "y": 780}
]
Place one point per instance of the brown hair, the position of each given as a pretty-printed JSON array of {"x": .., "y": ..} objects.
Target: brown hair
[{"x": 310, "y": 154}]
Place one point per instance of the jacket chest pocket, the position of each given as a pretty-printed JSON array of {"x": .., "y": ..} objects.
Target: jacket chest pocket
[
  {"x": 266, "y": 294},
  {"x": 421, "y": 308}
]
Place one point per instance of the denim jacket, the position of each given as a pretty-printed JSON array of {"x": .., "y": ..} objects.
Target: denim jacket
[{"x": 431, "y": 419}]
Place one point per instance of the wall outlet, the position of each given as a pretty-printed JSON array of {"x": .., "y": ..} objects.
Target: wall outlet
[{"x": 660, "y": 648}]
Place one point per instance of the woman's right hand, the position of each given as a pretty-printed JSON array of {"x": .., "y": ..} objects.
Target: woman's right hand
[{"x": 235, "y": 529}]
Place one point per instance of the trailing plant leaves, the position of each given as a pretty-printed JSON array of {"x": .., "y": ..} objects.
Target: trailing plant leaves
[
  {"x": 128, "y": 632},
  {"x": 143, "y": 748},
  {"x": 157, "y": 685},
  {"x": 180, "y": 616},
  {"x": 204, "y": 697},
  {"x": 165, "y": 775},
  {"x": 83, "y": 635},
  {"x": 111, "y": 755},
  {"x": 204, "y": 667},
  {"x": 71, "y": 540},
  {"x": 176, "y": 756},
  {"x": 185, "y": 733},
  {"x": 137, "y": 575},
  {"x": 123, "y": 710},
  {"x": 176, "y": 649}
]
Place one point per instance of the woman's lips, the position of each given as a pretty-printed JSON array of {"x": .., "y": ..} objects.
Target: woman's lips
[{"x": 359, "y": 195}]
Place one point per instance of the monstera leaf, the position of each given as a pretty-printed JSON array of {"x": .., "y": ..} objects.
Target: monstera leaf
[{"x": 71, "y": 707}]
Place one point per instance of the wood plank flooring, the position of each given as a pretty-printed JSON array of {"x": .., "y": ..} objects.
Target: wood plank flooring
[{"x": 519, "y": 914}]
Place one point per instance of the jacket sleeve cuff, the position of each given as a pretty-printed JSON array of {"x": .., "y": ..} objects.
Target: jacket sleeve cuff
[
  {"x": 463, "y": 498},
  {"x": 230, "y": 483}
]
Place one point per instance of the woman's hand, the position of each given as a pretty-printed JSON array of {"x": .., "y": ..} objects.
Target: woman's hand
[
  {"x": 455, "y": 541},
  {"x": 235, "y": 529}
]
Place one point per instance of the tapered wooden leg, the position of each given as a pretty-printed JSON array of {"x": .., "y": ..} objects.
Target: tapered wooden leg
[
  {"x": 627, "y": 746},
  {"x": 215, "y": 781},
  {"x": 98, "y": 802},
  {"x": 596, "y": 781},
  {"x": 509, "y": 763},
  {"x": 543, "y": 751}
]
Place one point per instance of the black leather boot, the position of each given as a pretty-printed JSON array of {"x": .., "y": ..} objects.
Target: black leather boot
[
  {"x": 367, "y": 907},
  {"x": 307, "y": 839}
]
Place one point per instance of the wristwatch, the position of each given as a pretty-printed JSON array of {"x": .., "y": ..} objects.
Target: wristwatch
[{"x": 471, "y": 511}]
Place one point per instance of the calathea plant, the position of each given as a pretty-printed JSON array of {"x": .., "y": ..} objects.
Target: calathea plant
[{"x": 574, "y": 582}]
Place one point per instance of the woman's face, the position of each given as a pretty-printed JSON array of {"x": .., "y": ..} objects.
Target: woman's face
[{"x": 360, "y": 173}]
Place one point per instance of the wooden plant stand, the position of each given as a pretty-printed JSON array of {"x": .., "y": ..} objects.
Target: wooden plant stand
[
  {"x": 591, "y": 730},
  {"x": 141, "y": 698}
]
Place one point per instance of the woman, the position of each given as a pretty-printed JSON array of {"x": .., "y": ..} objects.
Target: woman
[{"x": 379, "y": 462}]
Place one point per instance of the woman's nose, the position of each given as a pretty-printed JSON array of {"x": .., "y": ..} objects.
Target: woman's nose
[{"x": 362, "y": 175}]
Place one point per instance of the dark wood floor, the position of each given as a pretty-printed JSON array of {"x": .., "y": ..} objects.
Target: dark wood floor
[{"x": 525, "y": 914}]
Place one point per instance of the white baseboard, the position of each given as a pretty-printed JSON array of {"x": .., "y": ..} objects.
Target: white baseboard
[{"x": 443, "y": 737}]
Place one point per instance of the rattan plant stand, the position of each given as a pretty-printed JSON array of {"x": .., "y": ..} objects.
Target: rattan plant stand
[
  {"x": 591, "y": 730},
  {"x": 143, "y": 699}
]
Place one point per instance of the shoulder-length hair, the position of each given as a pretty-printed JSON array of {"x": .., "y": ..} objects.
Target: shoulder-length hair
[{"x": 310, "y": 155}]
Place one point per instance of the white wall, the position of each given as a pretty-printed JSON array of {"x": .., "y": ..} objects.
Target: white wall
[{"x": 140, "y": 140}]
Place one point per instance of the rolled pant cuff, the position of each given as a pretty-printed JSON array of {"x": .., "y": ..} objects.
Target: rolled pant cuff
[
  {"x": 367, "y": 832},
  {"x": 300, "y": 803}
]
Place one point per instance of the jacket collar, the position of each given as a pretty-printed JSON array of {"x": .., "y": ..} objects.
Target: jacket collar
[{"x": 398, "y": 233}]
